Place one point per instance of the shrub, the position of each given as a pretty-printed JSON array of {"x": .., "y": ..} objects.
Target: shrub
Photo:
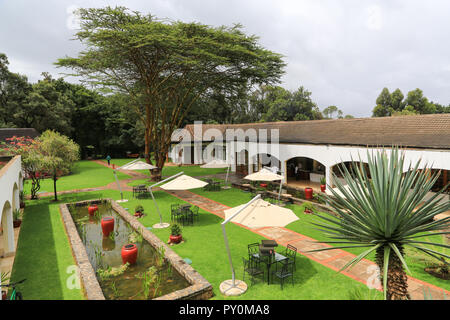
[
  {"x": 16, "y": 214},
  {"x": 139, "y": 208},
  {"x": 175, "y": 230}
]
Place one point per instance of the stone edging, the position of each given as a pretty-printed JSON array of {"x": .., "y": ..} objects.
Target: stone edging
[
  {"x": 88, "y": 280},
  {"x": 200, "y": 288}
]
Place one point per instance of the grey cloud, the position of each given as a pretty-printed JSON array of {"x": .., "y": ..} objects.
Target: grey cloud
[{"x": 345, "y": 52}]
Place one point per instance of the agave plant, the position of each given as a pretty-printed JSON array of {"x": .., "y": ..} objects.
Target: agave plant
[{"x": 385, "y": 210}]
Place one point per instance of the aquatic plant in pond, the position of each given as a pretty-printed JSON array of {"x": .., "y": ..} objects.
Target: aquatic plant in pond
[{"x": 116, "y": 280}]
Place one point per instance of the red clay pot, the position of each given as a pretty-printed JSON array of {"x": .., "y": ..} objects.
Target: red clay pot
[
  {"x": 107, "y": 225},
  {"x": 323, "y": 187},
  {"x": 308, "y": 193},
  {"x": 17, "y": 223},
  {"x": 175, "y": 239},
  {"x": 263, "y": 185},
  {"x": 129, "y": 253},
  {"x": 4, "y": 297},
  {"x": 92, "y": 209}
]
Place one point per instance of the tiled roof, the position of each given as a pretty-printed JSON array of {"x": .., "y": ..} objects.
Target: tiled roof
[
  {"x": 421, "y": 131},
  {"x": 18, "y": 132}
]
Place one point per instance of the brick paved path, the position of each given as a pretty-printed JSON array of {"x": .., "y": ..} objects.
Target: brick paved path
[{"x": 363, "y": 272}]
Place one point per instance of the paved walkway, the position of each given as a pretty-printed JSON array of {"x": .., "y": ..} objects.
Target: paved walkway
[{"x": 364, "y": 271}]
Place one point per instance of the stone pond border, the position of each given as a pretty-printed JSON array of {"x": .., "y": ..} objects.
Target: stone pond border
[{"x": 200, "y": 288}]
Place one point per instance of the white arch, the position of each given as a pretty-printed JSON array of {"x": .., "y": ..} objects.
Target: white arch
[
  {"x": 15, "y": 197},
  {"x": 8, "y": 228},
  {"x": 20, "y": 181}
]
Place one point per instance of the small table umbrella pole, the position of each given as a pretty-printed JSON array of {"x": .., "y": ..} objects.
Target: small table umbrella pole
[
  {"x": 279, "y": 194},
  {"x": 120, "y": 189},
  {"x": 233, "y": 284},
  {"x": 161, "y": 224}
]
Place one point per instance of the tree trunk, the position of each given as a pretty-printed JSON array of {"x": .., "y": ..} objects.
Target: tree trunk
[
  {"x": 54, "y": 187},
  {"x": 397, "y": 281},
  {"x": 35, "y": 186}
]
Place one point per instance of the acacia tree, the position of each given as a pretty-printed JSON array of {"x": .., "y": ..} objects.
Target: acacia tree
[
  {"x": 165, "y": 66},
  {"x": 58, "y": 153}
]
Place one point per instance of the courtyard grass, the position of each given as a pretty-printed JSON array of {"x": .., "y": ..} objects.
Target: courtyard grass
[
  {"x": 44, "y": 254},
  {"x": 193, "y": 171},
  {"x": 234, "y": 197},
  {"x": 85, "y": 174},
  {"x": 209, "y": 258},
  {"x": 46, "y": 265}
]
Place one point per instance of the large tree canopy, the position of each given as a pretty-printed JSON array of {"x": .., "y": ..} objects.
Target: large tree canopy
[
  {"x": 165, "y": 66},
  {"x": 394, "y": 104}
]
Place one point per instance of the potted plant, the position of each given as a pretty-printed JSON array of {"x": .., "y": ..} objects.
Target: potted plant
[
  {"x": 4, "y": 276},
  {"x": 175, "y": 234},
  {"x": 17, "y": 221},
  {"x": 139, "y": 211},
  {"x": 22, "y": 199},
  {"x": 308, "y": 207},
  {"x": 323, "y": 184}
]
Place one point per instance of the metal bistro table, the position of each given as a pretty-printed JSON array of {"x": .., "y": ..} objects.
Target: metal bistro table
[{"x": 269, "y": 260}]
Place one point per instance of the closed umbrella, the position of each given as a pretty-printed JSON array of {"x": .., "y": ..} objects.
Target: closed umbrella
[{"x": 266, "y": 175}]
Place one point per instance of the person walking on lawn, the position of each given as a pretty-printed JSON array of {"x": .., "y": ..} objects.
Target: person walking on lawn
[{"x": 108, "y": 158}]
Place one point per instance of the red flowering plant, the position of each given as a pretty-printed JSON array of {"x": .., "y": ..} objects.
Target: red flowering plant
[{"x": 29, "y": 151}]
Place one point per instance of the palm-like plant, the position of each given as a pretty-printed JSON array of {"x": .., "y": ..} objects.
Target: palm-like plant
[{"x": 385, "y": 213}]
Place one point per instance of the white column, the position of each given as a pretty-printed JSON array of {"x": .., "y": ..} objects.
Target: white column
[
  {"x": 284, "y": 170},
  {"x": 328, "y": 176},
  {"x": 198, "y": 153},
  {"x": 8, "y": 231}
]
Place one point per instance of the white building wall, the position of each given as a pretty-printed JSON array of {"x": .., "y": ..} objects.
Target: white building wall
[
  {"x": 10, "y": 178},
  {"x": 10, "y": 182},
  {"x": 329, "y": 155}
]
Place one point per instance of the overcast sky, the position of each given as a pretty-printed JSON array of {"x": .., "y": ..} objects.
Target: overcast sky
[{"x": 343, "y": 51}]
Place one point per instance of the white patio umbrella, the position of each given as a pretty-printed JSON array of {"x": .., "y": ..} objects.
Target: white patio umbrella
[
  {"x": 137, "y": 165},
  {"x": 182, "y": 182},
  {"x": 132, "y": 165},
  {"x": 216, "y": 164},
  {"x": 266, "y": 175},
  {"x": 255, "y": 213},
  {"x": 262, "y": 214}
]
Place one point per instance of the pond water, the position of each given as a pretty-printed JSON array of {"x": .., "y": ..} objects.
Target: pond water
[{"x": 149, "y": 278}]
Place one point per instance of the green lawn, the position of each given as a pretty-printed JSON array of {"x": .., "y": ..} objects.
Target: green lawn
[
  {"x": 210, "y": 258},
  {"x": 50, "y": 259},
  {"x": 85, "y": 174},
  {"x": 44, "y": 253},
  {"x": 234, "y": 197},
  {"x": 194, "y": 171}
]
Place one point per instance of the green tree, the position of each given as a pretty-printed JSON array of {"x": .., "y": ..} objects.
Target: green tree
[
  {"x": 283, "y": 105},
  {"x": 45, "y": 107},
  {"x": 58, "y": 154},
  {"x": 407, "y": 111},
  {"x": 165, "y": 66},
  {"x": 31, "y": 158},
  {"x": 14, "y": 89},
  {"x": 420, "y": 103},
  {"x": 384, "y": 104},
  {"x": 385, "y": 213},
  {"x": 397, "y": 100}
]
